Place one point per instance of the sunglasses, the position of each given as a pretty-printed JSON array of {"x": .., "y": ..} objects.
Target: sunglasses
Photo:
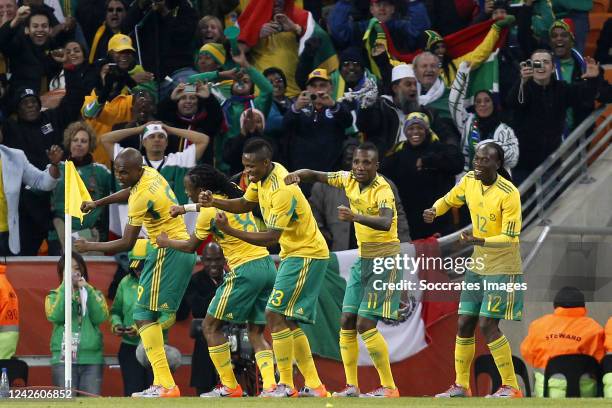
[{"x": 115, "y": 10}]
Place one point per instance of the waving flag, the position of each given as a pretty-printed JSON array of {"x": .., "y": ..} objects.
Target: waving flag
[{"x": 75, "y": 192}]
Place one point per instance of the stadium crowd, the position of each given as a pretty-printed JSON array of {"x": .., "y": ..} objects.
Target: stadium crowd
[{"x": 191, "y": 82}]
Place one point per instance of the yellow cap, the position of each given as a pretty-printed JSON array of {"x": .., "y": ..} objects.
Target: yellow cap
[
  {"x": 120, "y": 42},
  {"x": 319, "y": 73}
]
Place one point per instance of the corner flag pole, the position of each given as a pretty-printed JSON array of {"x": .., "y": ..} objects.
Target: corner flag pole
[{"x": 68, "y": 301}]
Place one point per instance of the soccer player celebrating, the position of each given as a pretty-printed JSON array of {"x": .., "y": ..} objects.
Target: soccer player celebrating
[
  {"x": 245, "y": 290},
  {"x": 166, "y": 272},
  {"x": 304, "y": 257},
  {"x": 495, "y": 209},
  {"x": 373, "y": 213}
]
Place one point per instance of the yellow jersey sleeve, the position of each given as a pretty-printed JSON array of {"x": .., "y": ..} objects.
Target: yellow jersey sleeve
[
  {"x": 385, "y": 199},
  {"x": 251, "y": 193},
  {"x": 511, "y": 220},
  {"x": 454, "y": 198},
  {"x": 282, "y": 209},
  {"x": 338, "y": 179},
  {"x": 204, "y": 223},
  {"x": 137, "y": 209}
]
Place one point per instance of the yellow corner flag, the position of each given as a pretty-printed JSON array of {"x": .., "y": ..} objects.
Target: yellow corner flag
[{"x": 75, "y": 191}]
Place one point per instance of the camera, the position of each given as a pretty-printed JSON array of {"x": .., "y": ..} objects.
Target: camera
[
  {"x": 113, "y": 68},
  {"x": 313, "y": 96},
  {"x": 537, "y": 64},
  {"x": 528, "y": 63}
]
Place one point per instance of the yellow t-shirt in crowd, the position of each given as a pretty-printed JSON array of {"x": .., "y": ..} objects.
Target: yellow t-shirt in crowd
[
  {"x": 496, "y": 217},
  {"x": 149, "y": 206},
  {"x": 236, "y": 251},
  {"x": 285, "y": 208},
  {"x": 369, "y": 201}
]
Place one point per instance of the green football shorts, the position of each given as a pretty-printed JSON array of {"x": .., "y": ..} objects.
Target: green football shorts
[
  {"x": 366, "y": 294},
  {"x": 243, "y": 295},
  {"x": 164, "y": 279},
  {"x": 491, "y": 297},
  {"x": 297, "y": 286}
]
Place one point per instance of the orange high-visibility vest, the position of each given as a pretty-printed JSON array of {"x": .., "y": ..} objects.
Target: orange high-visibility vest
[
  {"x": 608, "y": 343},
  {"x": 9, "y": 305}
]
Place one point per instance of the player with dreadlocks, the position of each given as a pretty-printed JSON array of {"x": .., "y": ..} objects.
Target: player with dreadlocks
[{"x": 243, "y": 296}]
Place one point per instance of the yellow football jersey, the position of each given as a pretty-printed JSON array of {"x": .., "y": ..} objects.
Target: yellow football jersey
[
  {"x": 496, "y": 217},
  {"x": 369, "y": 201},
  {"x": 149, "y": 206},
  {"x": 236, "y": 251},
  {"x": 285, "y": 208}
]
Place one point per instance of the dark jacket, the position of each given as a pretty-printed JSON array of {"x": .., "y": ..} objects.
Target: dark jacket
[
  {"x": 317, "y": 137},
  {"x": 28, "y": 63},
  {"x": 419, "y": 189},
  {"x": 165, "y": 41},
  {"x": 450, "y": 16},
  {"x": 539, "y": 119}
]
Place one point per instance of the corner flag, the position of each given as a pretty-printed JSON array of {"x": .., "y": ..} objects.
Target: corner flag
[{"x": 75, "y": 192}]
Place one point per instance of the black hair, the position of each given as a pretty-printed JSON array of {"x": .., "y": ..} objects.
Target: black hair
[
  {"x": 542, "y": 51},
  {"x": 38, "y": 11},
  {"x": 207, "y": 177},
  {"x": 502, "y": 160},
  {"x": 275, "y": 70},
  {"x": 261, "y": 147},
  {"x": 568, "y": 297},
  {"x": 77, "y": 257},
  {"x": 369, "y": 146}
]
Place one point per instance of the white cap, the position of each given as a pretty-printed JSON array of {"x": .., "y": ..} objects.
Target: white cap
[
  {"x": 153, "y": 129},
  {"x": 402, "y": 71}
]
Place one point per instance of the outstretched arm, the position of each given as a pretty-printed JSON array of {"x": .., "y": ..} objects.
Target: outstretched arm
[
  {"x": 380, "y": 222},
  {"x": 233, "y": 205},
  {"x": 123, "y": 244},
  {"x": 264, "y": 239},
  {"x": 306, "y": 176},
  {"x": 188, "y": 246}
]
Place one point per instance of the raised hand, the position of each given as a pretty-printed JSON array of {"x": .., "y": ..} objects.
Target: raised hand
[
  {"x": 55, "y": 154},
  {"x": 592, "y": 68},
  {"x": 206, "y": 198}
]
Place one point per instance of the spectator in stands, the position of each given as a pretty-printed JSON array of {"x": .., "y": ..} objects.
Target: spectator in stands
[
  {"x": 318, "y": 125},
  {"x": 430, "y": 85},
  {"x": 173, "y": 166},
  {"x": 100, "y": 20},
  {"x": 198, "y": 296},
  {"x": 165, "y": 35},
  {"x": 89, "y": 311},
  {"x": 80, "y": 142},
  {"x": 423, "y": 169},
  {"x": 29, "y": 54},
  {"x": 281, "y": 103},
  {"x": 243, "y": 97},
  {"x": 435, "y": 44},
  {"x": 541, "y": 101},
  {"x": 110, "y": 102},
  {"x": 17, "y": 172},
  {"x": 540, "y": 14},
  {"x": 404, "y": 32},
  {"x": 577, "y": 11},
  {"x": 8, "y": 10},
  {"x": 567, "y": 331},
  {"x": 382, "y": 122},
  {"x": 275, "y": 31},
  {"x": 603, "y": 54},
  {"x": 325, "y": 199},
  {"x": 192, "y": 107},
  {"x": 607, "y": 378},
  {"x": 135, "y": 376},
  {"x": 9, "y": 317},
  {"x": 210, "y": 30},
  {"x": 252, "y": 125},
  {"x": 484, "y": 124},
  {"x": 213, "y": 67},
  {"x": 449, "y": 16}
]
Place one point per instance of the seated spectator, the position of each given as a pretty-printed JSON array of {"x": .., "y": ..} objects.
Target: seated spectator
[
  {"x": 192, "y": 107},
  {"x": 540, "y": 101},
  {"x": 198, "y": 296},
  {"x": 404, "y": 32},
  {"x": 72, "y": 55},
  {"x": 484, "y": 124},
  {"x": 165, "y": 38},
  {"x": 9, "y": 317},
  {"x": 423, "y": 169},
  {"x": 567, "y": 331},
  {"x": 100, "y": 20},
  {"x": 243, "y": 97},
  {"x": 382, "y": 121},
  {"x": 155, "y": 141},
  {"x": 28, "y": 51},
  {"x": 135, "y": 376},
  {"x": 89, "y": 311},
  {"x": 275, "y": 33},
  {"x": 17, "y": 171},
  {"x": 80, "y": 142},
  {"x": 325, "y": 199},
  {"x": 110, "y": 102},
  {"x": 318, "y": 126}
]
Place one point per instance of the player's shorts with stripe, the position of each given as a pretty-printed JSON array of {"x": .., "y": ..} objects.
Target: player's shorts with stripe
[
  {"x": 367, "y": 296},
  {"x": 491, "y": 299},
  {"x": 297, "y": 286},
  {"x": 164, "y": 279},
  {"x": 244, "y": 293}
]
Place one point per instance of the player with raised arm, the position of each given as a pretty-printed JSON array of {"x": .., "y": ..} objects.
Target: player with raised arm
[
  {"x": 166, "y": 271},
  {"x": 304, "y": 257},
  {"x": 495, "y": 209},
  {"x": 243, "y": 296},
  {"x": 375, "y": 218}
]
